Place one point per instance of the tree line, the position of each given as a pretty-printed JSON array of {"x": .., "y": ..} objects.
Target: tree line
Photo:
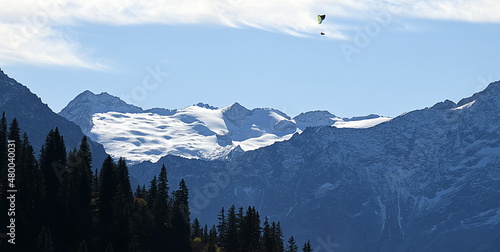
[{"x": 64, "y": 204}]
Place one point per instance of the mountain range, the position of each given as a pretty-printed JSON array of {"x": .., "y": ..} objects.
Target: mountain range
[
  {"x": 427, "y": 180},
  {"x": 198, "y": 131}
]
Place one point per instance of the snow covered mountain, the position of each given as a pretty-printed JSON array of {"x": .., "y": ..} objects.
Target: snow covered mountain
[
  {"x": 428, "y": 180},
  {"x": 198, "y": 131}
]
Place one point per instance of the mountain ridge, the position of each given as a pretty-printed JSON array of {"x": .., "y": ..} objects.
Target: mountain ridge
[
  {"x": 218, "y": 130},
  {"x": 424, "y": 181},
  {"x": 37, "y": 119}
]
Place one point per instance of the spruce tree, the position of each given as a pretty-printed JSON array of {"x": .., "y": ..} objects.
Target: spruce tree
[
  {"x": 151, "y": 195},
  {"x": 161, "y": 198},
  {"x": 250, "y": 231},
  {"x": 53, "y": 165},
  {"x": 138, "y": 192},
  {"x": 196, "y": 230},
  {"x": 29, "y": 197},
  {"x": 307, "y": 247},
  {"x": 222, "y": 227},
  {"x": 267, "y": 237},
  {"x": 277, "y": 236},
  {"x": 122, "y": 207},
  {"x": 75, "y": 194},
  {"x": 107, "y": 186},
  {"x": 232, "y": 237},
  {"x": 292, "y": 245},
  {"x": 15, "y": 135},
  {"x": 212, "y": 240},
  {"x": 181, "y": 237},
  {"x": 160, "y": 208}
]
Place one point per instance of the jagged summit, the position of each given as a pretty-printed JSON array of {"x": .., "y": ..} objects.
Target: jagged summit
[
  {"x": 81, "y": 109},
  {"x": 490, "y": 93},
  {"x": 236, "y": 113},
  {"x": 314, "y": 118},
  {"x": 447, "y": 104},
  {"x": 205, "y": 105}
]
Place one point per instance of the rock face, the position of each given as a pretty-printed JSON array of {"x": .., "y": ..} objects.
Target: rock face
[
  {"x": 37, "y": 119},
  {"x": 81, "y": 109},
  {"x": 428, "y": 180}
]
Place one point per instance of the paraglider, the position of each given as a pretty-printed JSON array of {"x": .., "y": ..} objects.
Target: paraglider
[{"x": 320, "y": 20}]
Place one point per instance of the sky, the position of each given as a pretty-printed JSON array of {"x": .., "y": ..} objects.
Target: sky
[{"x": 381, "y": 57}]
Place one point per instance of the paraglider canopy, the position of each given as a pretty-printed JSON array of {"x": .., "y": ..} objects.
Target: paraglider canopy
[{"x": 321, "y": 18}]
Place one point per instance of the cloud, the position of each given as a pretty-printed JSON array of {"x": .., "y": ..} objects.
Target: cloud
[{"x": 34, "y": 34}]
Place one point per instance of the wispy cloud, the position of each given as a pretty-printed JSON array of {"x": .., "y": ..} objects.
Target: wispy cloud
[{"x": 30, "y": 26}]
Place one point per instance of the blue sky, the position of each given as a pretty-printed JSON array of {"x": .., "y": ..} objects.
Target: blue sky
[{"x": 382, "y": 57}]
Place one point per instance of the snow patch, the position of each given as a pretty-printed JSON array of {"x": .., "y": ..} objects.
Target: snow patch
[{"x": 467, "y": 105}]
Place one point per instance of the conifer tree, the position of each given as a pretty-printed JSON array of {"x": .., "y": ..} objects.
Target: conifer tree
[
  {"x": 250, "y": 231},
  {"x": 222, "y": 227},
  {"x": 151, "y": 195},
  {"x": 292, "y": 245},
  {"x": 277, "y": 235},
  {"x": 212, "y": 240},
  {"x": 196, "y": 230},
  {"x": 161, "y": 198},
  {"x": 160, "y": 207},
  {"x": 204, "y": 232},
  {"x": 122, "y": 207},
  {"x": 267, "y": 239},
  {"x": 75, "y": 194},
  {"x": 53, "y": 163},
  {"x": 107, "y": 186},
  {"x": 181, "y": 237},
  {"x": 138, "y": 192},
  {"x": 144, "y": 191},
  {"x": 307, "y": 247},
  {"x": 232, "y": 236},
  {"x": 29, "y": 197},
  {"x": 15, "y": 135}
]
